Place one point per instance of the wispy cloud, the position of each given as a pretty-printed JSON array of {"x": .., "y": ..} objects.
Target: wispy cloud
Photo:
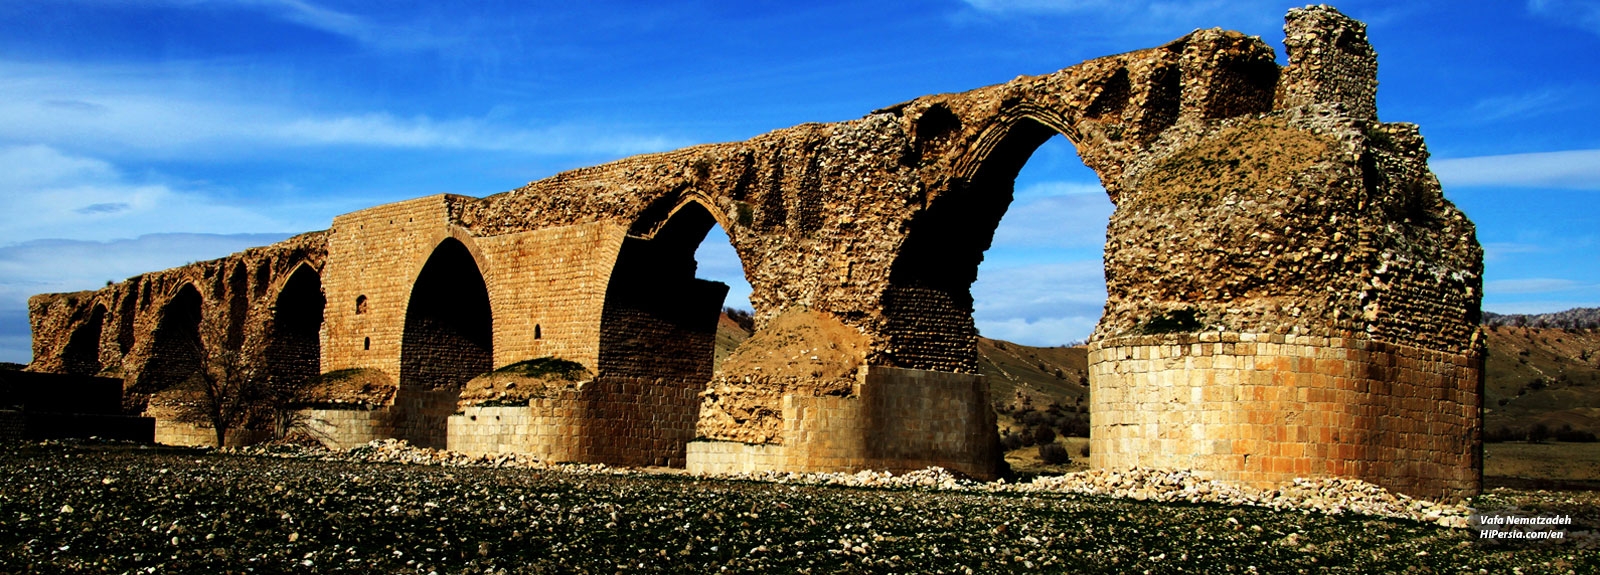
[
  {"x": 1575, "y": 169},
  {"x": 1075, "y": 220},
  {"x": 49, "y": 194},
  {"x": 1546, "y": 101},
  {"x": 718, "y": 261},
  {"x": 1045, "y": 304},
  {"x": 1537, "y": 307},
  {"x": 1049, "y": 6},
  {"x": 311, "y": 15},
  {"x": 1138, "y": 15},
  {"x": 1494, "y": 251},
  {"x": 1060, "y": 188},
  {"x": 1580, "y": 13},
  {"x": 359, "y": 28},
  {"x": 155, "y": 111}
]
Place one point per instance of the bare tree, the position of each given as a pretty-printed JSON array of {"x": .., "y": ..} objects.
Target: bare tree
[{"x": 226, "y": 392}]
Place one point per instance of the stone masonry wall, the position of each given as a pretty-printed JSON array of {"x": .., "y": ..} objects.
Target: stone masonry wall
[
  {"x": 901, "y": 420},
  {"x": 1263, "y": 409}
]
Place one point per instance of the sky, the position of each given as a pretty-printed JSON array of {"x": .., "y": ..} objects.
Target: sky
[{"x": 137, "y": 135}]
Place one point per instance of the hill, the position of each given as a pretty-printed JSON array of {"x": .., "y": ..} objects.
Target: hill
[
  {"x": 1575, "y": 318},
  {"x": 1542, "y": 377}
]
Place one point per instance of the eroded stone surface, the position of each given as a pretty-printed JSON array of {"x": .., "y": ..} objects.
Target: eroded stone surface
[{"x": 1252, "y": 200}]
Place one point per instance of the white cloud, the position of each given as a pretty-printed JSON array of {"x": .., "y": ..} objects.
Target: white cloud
[
  {"x": 184, "y": 113},
  {"x": 308, "y": 14},
  {"x": 1044, "y": 332},
  {"x": 1060, "y": 221},
  {"x": 1045, "y": 304},
  {"x": 718, "y": 261},
  {"x": 1542, "y": 102},
  {"x": 60, "y": 196},
  {"x": 1537, "y": 307},
  {"x": 1498, "y": 251},
  {"x": 1059, "y": 188},
  {"x": 1048, "y": 6},
  {"x": 1140, "y": 15},
  {"x": 1575, "y": 169}
]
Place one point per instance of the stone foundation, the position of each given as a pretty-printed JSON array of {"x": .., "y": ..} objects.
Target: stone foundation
[
  {"x": 1263, "y": 409},
  {"x": 347, "y": 428},
  {"x": 169, "y": 432},
  {"x": 902, "y": 420}
]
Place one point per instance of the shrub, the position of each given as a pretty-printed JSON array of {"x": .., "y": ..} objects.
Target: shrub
[
  {"x": 1054, "y": 454},
  {"x": 1498, "y": 435},
  {"x": 1043, "y": 435},
  {"x": 1010, "y": 441},
  {"x": 1538, "y": 433},
  {"x": 1576, "y": 436},
  {"x": 549, "y": 367}
]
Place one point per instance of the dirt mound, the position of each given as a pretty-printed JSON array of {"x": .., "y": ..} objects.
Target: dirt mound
[
  {"x": 801, "y": 352},
  {"x": 357, "y": 386},
  {"x": 515, "y": 384}
]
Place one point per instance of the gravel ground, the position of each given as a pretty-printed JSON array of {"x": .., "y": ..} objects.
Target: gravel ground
[{"x": 107, "y": 508}]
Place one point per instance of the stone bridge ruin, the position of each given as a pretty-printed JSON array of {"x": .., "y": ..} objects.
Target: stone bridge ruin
[{"x": 1289, "y": 294}]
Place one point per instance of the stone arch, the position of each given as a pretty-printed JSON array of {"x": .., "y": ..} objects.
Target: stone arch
[
  {"x": 293, "y": 351},
  {"x": 238, "y": 297},
  {"x": 448, "y": 336},
  {"x": 177, "y": 350},
  {"x": 928, "y": 304},
  {"x": 655, "y": 309},
  {"x": 82, "y": 353},
  {"x": 657, "y": 344}
]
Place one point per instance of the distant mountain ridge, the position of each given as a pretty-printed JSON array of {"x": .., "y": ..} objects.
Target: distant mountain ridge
[{"x": 1575, "y": 318}]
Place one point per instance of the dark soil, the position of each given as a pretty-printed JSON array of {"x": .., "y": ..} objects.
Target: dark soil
[{"x": 99, "y": 508}]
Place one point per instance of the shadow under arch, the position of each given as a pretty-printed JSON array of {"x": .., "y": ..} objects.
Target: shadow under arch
[
  {"x": 448, "y": 340},
  {"x": 658, "y": 319},
  {"x": 928, "y": 305},
  {"x": 293, "y": 352},
  {"x": 449, "y": 335},
  {"x": 176, "y": 350},
  {"x": 657, "y": 343},
  {"x": 82, "y": 353}
]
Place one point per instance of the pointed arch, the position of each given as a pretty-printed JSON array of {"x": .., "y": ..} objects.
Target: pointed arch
[
  {"x": 928, "y": 304},
  {"x": 82, "y": 354},
  {"x": 177, "y": 349},
  {"x": 293, "y": 352},
  {"x": 449, "y": 336},
  {"x": 656, "y": 312}
]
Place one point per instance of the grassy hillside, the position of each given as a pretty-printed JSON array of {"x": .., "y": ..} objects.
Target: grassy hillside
[{"x": 1540, "y": 376}]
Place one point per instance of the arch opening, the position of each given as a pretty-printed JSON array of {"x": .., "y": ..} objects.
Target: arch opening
[
  {"x": 177, "y": 350},
  {"x": 82, "y": 353},
  {"x": 659, "y": 319},
  {"x": 658, "y": 336},
  {"x": 449, "y": 335},
  {"x": 1016, "y": 253},
  {"x": 238, "y": 306},
  {"x": 293, "y": 352},
  {"x": 1039, "y": 294},
  {"x": 928, "y": 304}
]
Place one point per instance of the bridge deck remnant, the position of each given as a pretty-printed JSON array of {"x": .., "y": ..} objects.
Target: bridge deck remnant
[{"x": 1289, "y": 293}]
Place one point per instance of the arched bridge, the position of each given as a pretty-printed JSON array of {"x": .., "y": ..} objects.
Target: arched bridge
[{"x": 1288, "y": 292}]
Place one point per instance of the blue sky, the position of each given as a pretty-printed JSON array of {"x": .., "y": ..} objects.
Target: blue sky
[{"x": 141, "y": 134}]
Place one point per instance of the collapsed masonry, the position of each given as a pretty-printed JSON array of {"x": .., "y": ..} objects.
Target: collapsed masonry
[{"x": 1289, "y": 292}]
